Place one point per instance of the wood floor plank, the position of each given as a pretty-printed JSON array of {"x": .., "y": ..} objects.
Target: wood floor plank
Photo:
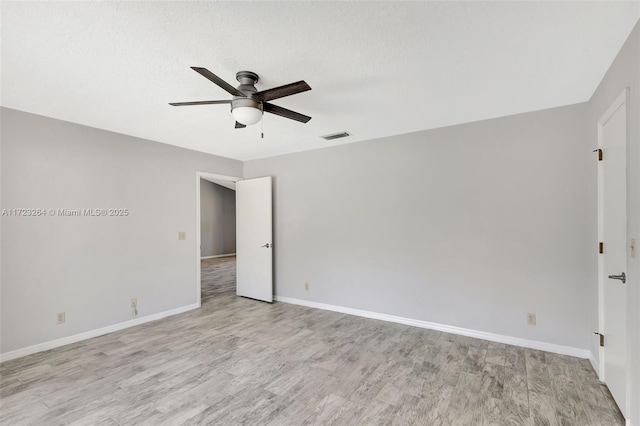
[
  {"x": 347, "y": 414},
  {"x": 489, "y": 411},
  {"x": 376, "y": 413},
  {"x": 434, "y": 400},
  {"x": 464, "y": 405},
  {"x": 496, "y": 353},
  {"x": 326, "y": 409},
  {"x": 515, "y": 406},
  {"x": 475, "y": 359}
]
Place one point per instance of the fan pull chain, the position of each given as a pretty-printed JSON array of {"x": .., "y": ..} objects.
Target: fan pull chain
[{"x": 262, "y": 130}]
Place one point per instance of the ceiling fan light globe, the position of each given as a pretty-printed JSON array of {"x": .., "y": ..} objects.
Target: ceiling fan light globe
[{"x": 247, "y": 115}]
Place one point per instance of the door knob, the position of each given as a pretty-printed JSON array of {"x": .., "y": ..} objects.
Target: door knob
[
  {"x": 267, "y": 245},
  {"x": 622, "y": 277}
]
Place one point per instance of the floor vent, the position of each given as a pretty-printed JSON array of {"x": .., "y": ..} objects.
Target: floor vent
[{"x": 336, "y": 136}]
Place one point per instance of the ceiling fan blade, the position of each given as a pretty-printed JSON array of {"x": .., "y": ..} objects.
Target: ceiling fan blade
[
  {"x": 282, "y": 91},
  {"x": 283, "y": 112},
  {"x": 217, "y": 80},
  {"x": 240, "y": 125},
  {"x": 199, "y": 103}
]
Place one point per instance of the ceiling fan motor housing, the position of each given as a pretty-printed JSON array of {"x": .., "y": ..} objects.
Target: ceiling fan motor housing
[
  {"x": 247, "y": 77},
  {"x": 247, "y": 80}
]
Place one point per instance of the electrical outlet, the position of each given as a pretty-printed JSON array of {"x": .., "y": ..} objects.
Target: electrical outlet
[
  {"x": 306, "y": 286},
  {"x": 60, "y": 318},
  {"x": 531, "y": 319},
  {"x": 134, "y": 303}
]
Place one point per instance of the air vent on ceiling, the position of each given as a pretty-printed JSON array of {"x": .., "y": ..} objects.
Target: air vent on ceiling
[{"x": 336, "y": 136}]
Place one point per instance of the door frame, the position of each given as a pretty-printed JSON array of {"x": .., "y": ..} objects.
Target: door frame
[
  {"x": 618, "y": 103},
  {"x": 206, "y": 176}
]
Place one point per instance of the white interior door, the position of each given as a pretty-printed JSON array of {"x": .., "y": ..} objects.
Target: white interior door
[
  {"x": 254, "y": 245},
  {"x": 613, "y": 260}
]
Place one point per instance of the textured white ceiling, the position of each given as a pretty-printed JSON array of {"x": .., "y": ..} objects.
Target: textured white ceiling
[{"x": 376, "y": 68}]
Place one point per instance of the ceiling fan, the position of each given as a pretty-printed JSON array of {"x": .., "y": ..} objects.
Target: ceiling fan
[{"x": 248, "y": 105}]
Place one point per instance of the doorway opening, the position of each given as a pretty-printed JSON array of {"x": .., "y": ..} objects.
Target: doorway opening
[{"x": 216, "y": 236}]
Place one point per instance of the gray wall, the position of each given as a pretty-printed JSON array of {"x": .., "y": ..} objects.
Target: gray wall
[
  {"x": 91, "y": 267},
  {"x": 624, "y": 72},
  {"x": 473, "y": 225},
  {"x": 217, "y": 219}
]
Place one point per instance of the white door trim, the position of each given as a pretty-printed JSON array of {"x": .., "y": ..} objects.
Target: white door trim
[
  {"x": 604, "y": 119},
  {"x": 206, "y": 176}
]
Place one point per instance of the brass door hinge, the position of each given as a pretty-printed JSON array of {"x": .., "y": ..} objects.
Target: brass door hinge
[
  {"x": 600, "y": 248},
  {"x": 601, "y": 338},
  {"x": 599, "y": 151}
]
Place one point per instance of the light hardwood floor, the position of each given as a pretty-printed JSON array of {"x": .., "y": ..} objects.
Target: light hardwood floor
[{"x": 239, "y": 361}]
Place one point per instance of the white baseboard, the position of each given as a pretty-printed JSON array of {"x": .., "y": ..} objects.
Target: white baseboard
[
  {"x": 92, "y": 333},
  {"x": 218, "y": 255},
  {"x": 516, "y": 341}
]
